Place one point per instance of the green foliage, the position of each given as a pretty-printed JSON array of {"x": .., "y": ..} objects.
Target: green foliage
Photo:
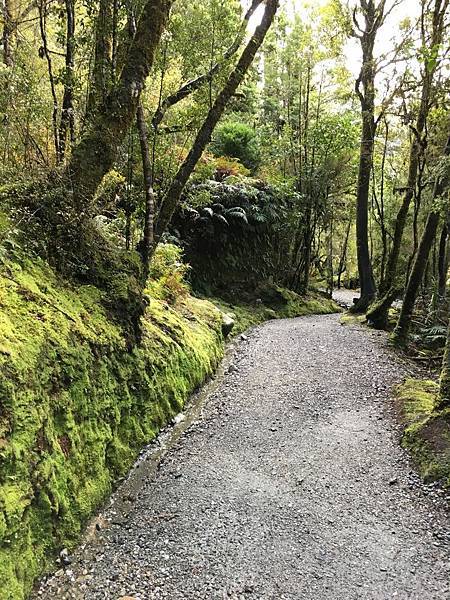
[
  {"x": 229, "y": 167},
  {"x": 236, "y": 140},
  {"x": 242, "y": 237},
  {"x": 77, "y": 404},
  {"x": 167, "y": 274}
]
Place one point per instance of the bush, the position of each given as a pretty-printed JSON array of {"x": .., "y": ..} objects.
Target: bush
[{"x": 237, "y": 140}]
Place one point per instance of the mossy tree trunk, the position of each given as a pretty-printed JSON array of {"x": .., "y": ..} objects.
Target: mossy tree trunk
[
  {"x": 444, "y": 388},
  {"x": 170, "y": 202},
  {"x": 97, "y": 149},
  {"x": 443, "y": 261},
  {"x": 401, "y": 331},
  {"x": 100, "y": 77}
]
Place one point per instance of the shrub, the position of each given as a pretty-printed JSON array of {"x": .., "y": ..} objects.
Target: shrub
[{"x": 236, "y": 140}]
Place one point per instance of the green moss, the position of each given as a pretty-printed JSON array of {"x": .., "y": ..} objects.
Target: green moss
[
  {"x": 427, "y": 430},
  {"x": 349, "y": 318},
  {"x": 77, "y": 404}
]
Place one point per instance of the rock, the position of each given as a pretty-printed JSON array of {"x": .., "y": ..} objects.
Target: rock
[
  {"x": 244, "y": 337},
  {"x": 179, "y": 418},
  {"x": 64, "y": 557},
  {"x": 227, "y": 324},
  {"x": 393, "y": 481}
]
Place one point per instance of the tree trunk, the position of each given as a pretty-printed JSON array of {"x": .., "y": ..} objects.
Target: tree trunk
[
  {"x": 343, "y": 258},
  {"x": 373, "y": 16},
  {"x": 401, "y": 331},
  {"x": 97, "y": 149},
  {"x": 366, "y": 279},
  {"x": 443, "y": 261},
  {"x": 46, "y": 54},
  {"x": 67, "y": 122},
  {"x": 101, "y": 76},
  {"x": 149, "y": 214},
  {"x": 203, "y": 137},
  {"x": 7, "y": 33}
]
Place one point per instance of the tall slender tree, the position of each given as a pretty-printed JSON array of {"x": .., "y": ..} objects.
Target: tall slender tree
[
  {"x": 401, "y": 331},
  {"x": 373, "y": 15}
]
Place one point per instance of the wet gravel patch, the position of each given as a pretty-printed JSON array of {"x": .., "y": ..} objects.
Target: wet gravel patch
[{"x": 290, "y": 485}]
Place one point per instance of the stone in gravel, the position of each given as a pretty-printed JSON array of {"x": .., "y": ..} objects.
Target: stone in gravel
[
  {"x": 227, "y": 324},
  {"x": 64, "y": 557}
]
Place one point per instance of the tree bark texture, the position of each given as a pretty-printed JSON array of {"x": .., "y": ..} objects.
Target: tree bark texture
[
  {"x": 97, "y": 149},
  {"x": 67, "y": 121}
]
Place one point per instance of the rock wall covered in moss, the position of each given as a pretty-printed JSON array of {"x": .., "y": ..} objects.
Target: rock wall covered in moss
[
  {"x": 427, "y": 428},
  {"x": 77, "y": 404}
]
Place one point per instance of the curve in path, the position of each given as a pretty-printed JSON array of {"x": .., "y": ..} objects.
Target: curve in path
[{"x": 291, "y": 486}]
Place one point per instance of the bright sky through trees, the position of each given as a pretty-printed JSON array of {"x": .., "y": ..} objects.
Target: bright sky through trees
[{"x": 389, "y": 35}]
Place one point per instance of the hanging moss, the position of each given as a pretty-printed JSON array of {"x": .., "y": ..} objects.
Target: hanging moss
[{"x": 77, "y": 405}]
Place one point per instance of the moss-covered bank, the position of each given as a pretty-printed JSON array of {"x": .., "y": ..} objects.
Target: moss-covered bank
[
  {"x": 427, "y": 430},
  {"x": 76, "y": 404}
]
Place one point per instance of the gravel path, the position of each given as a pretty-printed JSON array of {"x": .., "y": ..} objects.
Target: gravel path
[{"x": 290, "y": 485}]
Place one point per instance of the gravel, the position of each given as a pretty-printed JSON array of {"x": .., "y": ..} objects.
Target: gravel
[{"x": 289, "y": 484}]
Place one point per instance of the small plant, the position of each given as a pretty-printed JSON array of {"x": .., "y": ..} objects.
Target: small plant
[
  {"x": 434, "y": 336},
  {"x": 168, "y": 273}
]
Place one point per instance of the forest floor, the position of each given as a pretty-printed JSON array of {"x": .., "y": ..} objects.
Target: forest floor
[{"x": 289, "y": 483}]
